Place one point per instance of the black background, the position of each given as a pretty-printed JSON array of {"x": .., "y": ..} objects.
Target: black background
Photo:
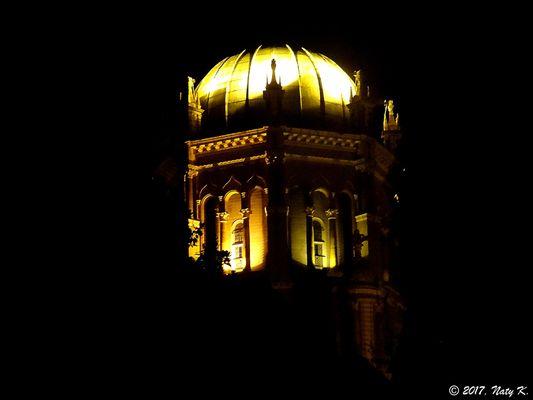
[{"x": 463, "y": 201}]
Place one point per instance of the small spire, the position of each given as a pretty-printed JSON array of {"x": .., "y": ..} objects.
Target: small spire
[
  {"x": 385, "y": 124},
  {"x": 344, "y": 105}
]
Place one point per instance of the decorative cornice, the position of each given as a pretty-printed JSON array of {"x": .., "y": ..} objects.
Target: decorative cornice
[
  {"x": 228, "y": 142},
  {"x": 366, "y": 291},
  {"x": 328, "y": 160},
  {"x": 235, "y": 161},
  {"x": 213, "y": 138},
  {"x": 327, "y": 139}
]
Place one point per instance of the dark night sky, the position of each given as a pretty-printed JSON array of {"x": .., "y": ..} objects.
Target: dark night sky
[{"x": 463, "y": 273}]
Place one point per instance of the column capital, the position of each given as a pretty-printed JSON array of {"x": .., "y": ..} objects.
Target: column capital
[
  {"x": 223, "y": 216},
  {"x": 245, "y": 212},
  {"x": 310, "y": 211},
  {"x": 276, "y": 210},
  {"x": 191, "y": 173},
  {"x": 332, "y": 213}
]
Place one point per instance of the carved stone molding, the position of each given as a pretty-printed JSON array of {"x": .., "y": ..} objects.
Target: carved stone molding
[
  {"x": 229, "y": 162},
  {"x": 276, "y": 210},
  {"x": 322, "y": 139},
  {"x": 227, "y": 142},
  {"x": 245, "y": 212},
  {"x": 324, "y": 160}
]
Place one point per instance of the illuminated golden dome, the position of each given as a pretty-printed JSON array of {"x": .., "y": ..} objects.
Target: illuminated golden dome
[{"x": 317, "y": 90}]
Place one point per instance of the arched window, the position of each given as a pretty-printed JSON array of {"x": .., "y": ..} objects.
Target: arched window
[
  {"x": 238, "y": 261},
  {"x": 319, "y": 244}
]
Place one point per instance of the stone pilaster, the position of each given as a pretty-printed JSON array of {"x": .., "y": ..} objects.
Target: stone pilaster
[
  {"x": 277, "y": 211},
  {"x": 245, "y": 212},
  {"x": 222, "y": 218},
  {"x": 309, "y": 212},
  {"x": 332, "y": 215},
  {"x": 190, "y": 182}
]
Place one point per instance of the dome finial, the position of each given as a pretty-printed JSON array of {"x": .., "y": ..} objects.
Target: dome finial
[
  {"x": 273, "y": 95},
  {"x": 273, "y": 66},
  {"x": 273, "y": 80}
]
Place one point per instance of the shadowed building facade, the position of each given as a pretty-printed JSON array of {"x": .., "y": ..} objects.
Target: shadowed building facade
[{"x": 287, "y": 172}]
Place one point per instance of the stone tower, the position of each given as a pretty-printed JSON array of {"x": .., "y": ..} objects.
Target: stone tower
[{"x": 285, "y": 174}]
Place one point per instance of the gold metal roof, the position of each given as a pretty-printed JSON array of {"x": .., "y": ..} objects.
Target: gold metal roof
[{"x": 316, "y": 88}]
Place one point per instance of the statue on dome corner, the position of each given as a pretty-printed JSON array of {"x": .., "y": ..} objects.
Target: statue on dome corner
[
  {"x": 190, "y": 91},
  {"x": 358, "y": 82},
  {"x": 194, "y": 108},
  {"x": 390, "y": 109}
]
